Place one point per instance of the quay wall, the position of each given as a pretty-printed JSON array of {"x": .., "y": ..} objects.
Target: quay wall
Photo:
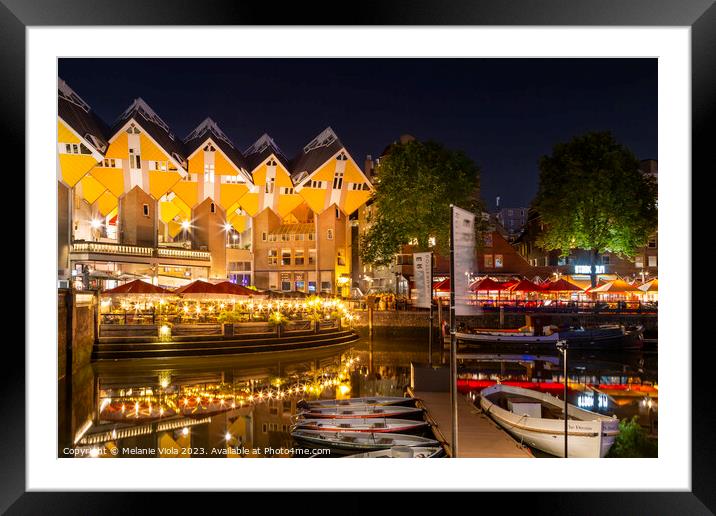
[{"x": 389, "y": 322}]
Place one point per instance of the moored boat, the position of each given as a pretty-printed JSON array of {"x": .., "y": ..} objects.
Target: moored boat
[
  {"x": 352, "y": 402},
  {"x": 601, "y": 337},
  {"x": 376, "y": 425},
  {"x": 537, "y": 419},
  {"x": 342, "y": 443},
  {"x": 402, "y": 452},
  {"x": 362, "y": 411}
]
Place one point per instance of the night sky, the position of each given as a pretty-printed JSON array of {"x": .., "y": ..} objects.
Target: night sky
[{"x": 503, "y": 113}]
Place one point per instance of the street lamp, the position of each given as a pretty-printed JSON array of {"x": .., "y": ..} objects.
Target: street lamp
[{"x": 562, "y": 346}]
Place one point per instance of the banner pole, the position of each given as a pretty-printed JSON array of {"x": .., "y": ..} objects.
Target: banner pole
[
  {"x": 453, "y": 342},
  {"x": 430, "y": 336}
]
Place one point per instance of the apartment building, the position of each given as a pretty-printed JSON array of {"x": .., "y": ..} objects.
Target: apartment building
[{"x": 135, "y": 200}]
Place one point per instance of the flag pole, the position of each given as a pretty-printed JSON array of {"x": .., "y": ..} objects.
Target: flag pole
[{"x": 453, "y": 342}]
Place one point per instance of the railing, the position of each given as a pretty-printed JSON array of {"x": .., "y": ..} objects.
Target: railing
[
  {"x": 165, "y": 252},
  {"x": 521, "y": 306},
  {"x": 133, "y": 250},
  {"x": 96, "y": 247}
]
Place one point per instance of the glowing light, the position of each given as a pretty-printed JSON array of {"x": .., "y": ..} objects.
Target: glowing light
[
  {"x": 96, "y": 223},
  {"x": 165, "y": 331},
  {"x": 185, "y": 431},
  {"x": 345, "y": 389},
  {"x": 185, "y": 224},
  {"x": 94, "y": 453},
  {"x": 227, "y": 436},
  {"x": 227, "y": 226}
]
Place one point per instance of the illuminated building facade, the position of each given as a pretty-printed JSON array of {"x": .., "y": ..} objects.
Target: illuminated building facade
[{"x": 134, "y": 200}]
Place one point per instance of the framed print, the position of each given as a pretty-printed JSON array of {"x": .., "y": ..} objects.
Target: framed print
[{"x": 239, "y": 212}]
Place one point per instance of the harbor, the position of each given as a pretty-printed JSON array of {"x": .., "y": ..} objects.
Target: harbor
[{"x": 252, "y": 405}]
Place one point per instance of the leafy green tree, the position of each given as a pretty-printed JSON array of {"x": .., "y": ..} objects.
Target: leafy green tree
[
  {"x": 593, "y": 196},
  {"x": 416, "y": 183}
]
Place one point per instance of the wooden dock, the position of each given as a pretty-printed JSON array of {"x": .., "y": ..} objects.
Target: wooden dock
[{"x": 478, "y": 435}]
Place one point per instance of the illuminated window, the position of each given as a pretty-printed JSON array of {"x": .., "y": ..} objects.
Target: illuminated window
[
  {"x": 488, "y": 261},
  {"x": 285, "y": 257},
  {"x": 273, "y": 257},
  {"x": 134, "y": 159},
  {"x": 209, "y": 173},
  {"x": 652, "y": 261},
  {"x": 498, "y": 260},
  {"x": 298, "y": 257},
  {"x": 270, "y": 185}
]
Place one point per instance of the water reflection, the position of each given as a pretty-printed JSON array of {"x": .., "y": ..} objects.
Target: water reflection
[{"x": 244, "y": 406}]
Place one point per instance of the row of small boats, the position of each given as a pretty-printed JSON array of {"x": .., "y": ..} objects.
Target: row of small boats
[{"x": 375, "y": 427}]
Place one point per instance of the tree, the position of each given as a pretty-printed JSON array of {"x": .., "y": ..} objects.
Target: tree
[
  {"x": 417, "y": 182},
  {"x": 593, "y": 196}
]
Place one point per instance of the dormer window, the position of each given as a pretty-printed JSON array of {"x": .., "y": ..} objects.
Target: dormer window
[
  {"x": 342, "y": 157},
  {"x": 271, "y": 163}
]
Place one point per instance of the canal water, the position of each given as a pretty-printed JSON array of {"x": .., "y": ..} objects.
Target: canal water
[{"x": 245, "y": 406}]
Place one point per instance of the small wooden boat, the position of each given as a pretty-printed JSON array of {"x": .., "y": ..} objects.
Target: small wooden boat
[
  {"x": 352, "y": 402},
  {"x": 601, "y": 337},
  {"x": 377, "y": 425},
  {"x": 402, "y": 452},
  {"x": 537, "y": 419},
  {"x": 362, "y": 411},
  {"x": 342, "y": 443}
]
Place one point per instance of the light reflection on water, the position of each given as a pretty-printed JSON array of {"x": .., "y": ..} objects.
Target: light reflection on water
[{"x": 244, "y": 406}]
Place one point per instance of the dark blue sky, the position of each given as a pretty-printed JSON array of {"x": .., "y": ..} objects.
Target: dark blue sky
[{"x": 504, "y": 113}]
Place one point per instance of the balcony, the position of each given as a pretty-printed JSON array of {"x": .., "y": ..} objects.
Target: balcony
[
  {"x": 186, "y": 254},
  {"x": 145, "y": 252},
  {"x": 105, "y": 248}
]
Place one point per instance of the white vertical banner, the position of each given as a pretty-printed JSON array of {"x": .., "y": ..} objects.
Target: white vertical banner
[
  {"x": 421, "y": 275},
  {"x": 463, "y": 227}
]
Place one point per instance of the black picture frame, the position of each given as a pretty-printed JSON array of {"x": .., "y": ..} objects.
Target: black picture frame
[{"x": 700, "y": 15}]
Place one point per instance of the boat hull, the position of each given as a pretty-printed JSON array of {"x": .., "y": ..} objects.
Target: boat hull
[
  {"x": 381, "y": 401},
  {"x": 589, "y": 435},
  {"x": 419, "y": 452},
  {"x": 347, "y": 443},
  {"x": 578, "y": 340},
  {"x": 363, "y": 412},
  {"x": 395, "y": 426}
]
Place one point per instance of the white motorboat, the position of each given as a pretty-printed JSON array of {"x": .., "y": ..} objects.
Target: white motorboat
[{"x": 537, "y": 419}]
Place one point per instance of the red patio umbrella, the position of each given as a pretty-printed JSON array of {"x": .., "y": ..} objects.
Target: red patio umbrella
[
  {"x": 561, "y": 285},
  {"x": 196, "y": 287},
  {"x": 227, "y": 287},
  {"x": 487, "y": 285},
  {"x": 137, "y": 287},
  {"x": 442, "y": 286},
  {"x": 524, "y": 286}
]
